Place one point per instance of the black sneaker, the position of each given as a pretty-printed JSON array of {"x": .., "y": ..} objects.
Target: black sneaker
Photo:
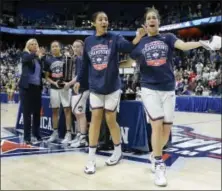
[
  {"x": 28, "y": 142},
  {"x": 36, "y": 139},
  {"x": 39, "y": 139}
]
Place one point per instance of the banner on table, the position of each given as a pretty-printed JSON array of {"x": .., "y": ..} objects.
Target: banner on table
[{"x": 131, "y": 119}]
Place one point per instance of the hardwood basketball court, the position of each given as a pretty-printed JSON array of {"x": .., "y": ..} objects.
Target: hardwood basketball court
[{"x": 194, "y": 160}]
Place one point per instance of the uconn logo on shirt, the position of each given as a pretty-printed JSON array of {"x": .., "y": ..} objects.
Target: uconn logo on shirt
[
  {"x": 99, "y": 56},
  {"x": 155, "y": 53},
  {"x": 57, "y": 69}
]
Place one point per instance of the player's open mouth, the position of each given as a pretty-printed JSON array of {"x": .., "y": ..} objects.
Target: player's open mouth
[
  {"x": 104, "y": 27},
  {"x": 152, "y": 25}
]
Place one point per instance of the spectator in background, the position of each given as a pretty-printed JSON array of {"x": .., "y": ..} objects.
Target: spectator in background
[
  {"x": 213, "y": 74},
  {"x": 218, "y": 59},
  {"x": 212, "y": 81},
  {"x": 205, "y": 76},
  {"x": 192, "y": 76},
  {"x": 199, "y": 68},
  {"x": 198, "y": 77},
  {"x": 192, "y": 85},
  {"x": 181, "y": 72},
  {"x": 219, "y": 82},
  {"x": 179, "y": 85},
  {"x": 4, "y": 81},
  {"x": 10, "y": 90},
  {"x": 176, "y": 72},
  {"x": 185, "y": 74},
  {"x": 199, "y": 89},
  {"x": 207, "y": 68},
  {"x": 186, "y": 91},
  {"x": 206, "y": 91}
]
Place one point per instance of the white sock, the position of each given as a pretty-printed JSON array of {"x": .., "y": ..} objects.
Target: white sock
[
  {"x": 55, "y": 130},
  {"x": 82, "y": 136},
  {"x": 92, "y": 154},
  {"x": 118, "y": 149}
]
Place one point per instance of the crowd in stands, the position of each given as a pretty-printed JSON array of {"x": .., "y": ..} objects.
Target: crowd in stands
[
  {"x": 197, "y": 72},
  {"x": 170, "y": 14},
  {"x": 9, "y": 60}
]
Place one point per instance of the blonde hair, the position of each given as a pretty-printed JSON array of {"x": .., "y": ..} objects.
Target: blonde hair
[
  {"x": 26, "y": 49},
  {"x": 80, "y": 41}
]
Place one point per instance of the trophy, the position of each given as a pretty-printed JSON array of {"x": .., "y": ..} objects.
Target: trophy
[{"x": 68, "y": 69}]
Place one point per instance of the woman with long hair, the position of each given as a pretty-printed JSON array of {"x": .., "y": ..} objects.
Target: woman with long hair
[
  {"x": 101, "y": 68},
  {"x": 154, "y": 54}
]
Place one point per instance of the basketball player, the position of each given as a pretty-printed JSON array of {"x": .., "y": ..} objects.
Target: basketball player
[
  {"x": 79, "y": 100},
  {"x": 154, "y": 54},
  {"x": 100, "y": 64},
  {"x": 58, "y": 95}
]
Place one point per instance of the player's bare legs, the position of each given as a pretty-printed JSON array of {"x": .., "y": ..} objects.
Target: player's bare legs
[
  {"x": 157, "y": 137},
  {"x": 166, "y": 133},
  {"x": 113, "y": 126},
  {"x": 94, "y": 132},
  {"x": 55, "y": 119},
  {"x": 80, "y": 139},
  {"x": 116, "y": 136},
  {"x": 82, "y": 123},
  {"x": 68, "y": 136}
]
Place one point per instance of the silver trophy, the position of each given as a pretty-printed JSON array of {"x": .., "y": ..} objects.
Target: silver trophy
[{"x": 68, "y": 69}]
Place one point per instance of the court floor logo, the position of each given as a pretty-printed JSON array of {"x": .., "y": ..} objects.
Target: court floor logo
[
  {"x": 12, "y": 145},
  {"x": 184, "y": 143},
  {"x": 187, "y": 143}
]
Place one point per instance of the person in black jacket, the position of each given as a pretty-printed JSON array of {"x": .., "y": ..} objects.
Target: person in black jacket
[{"x": 30, "y": 87}]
